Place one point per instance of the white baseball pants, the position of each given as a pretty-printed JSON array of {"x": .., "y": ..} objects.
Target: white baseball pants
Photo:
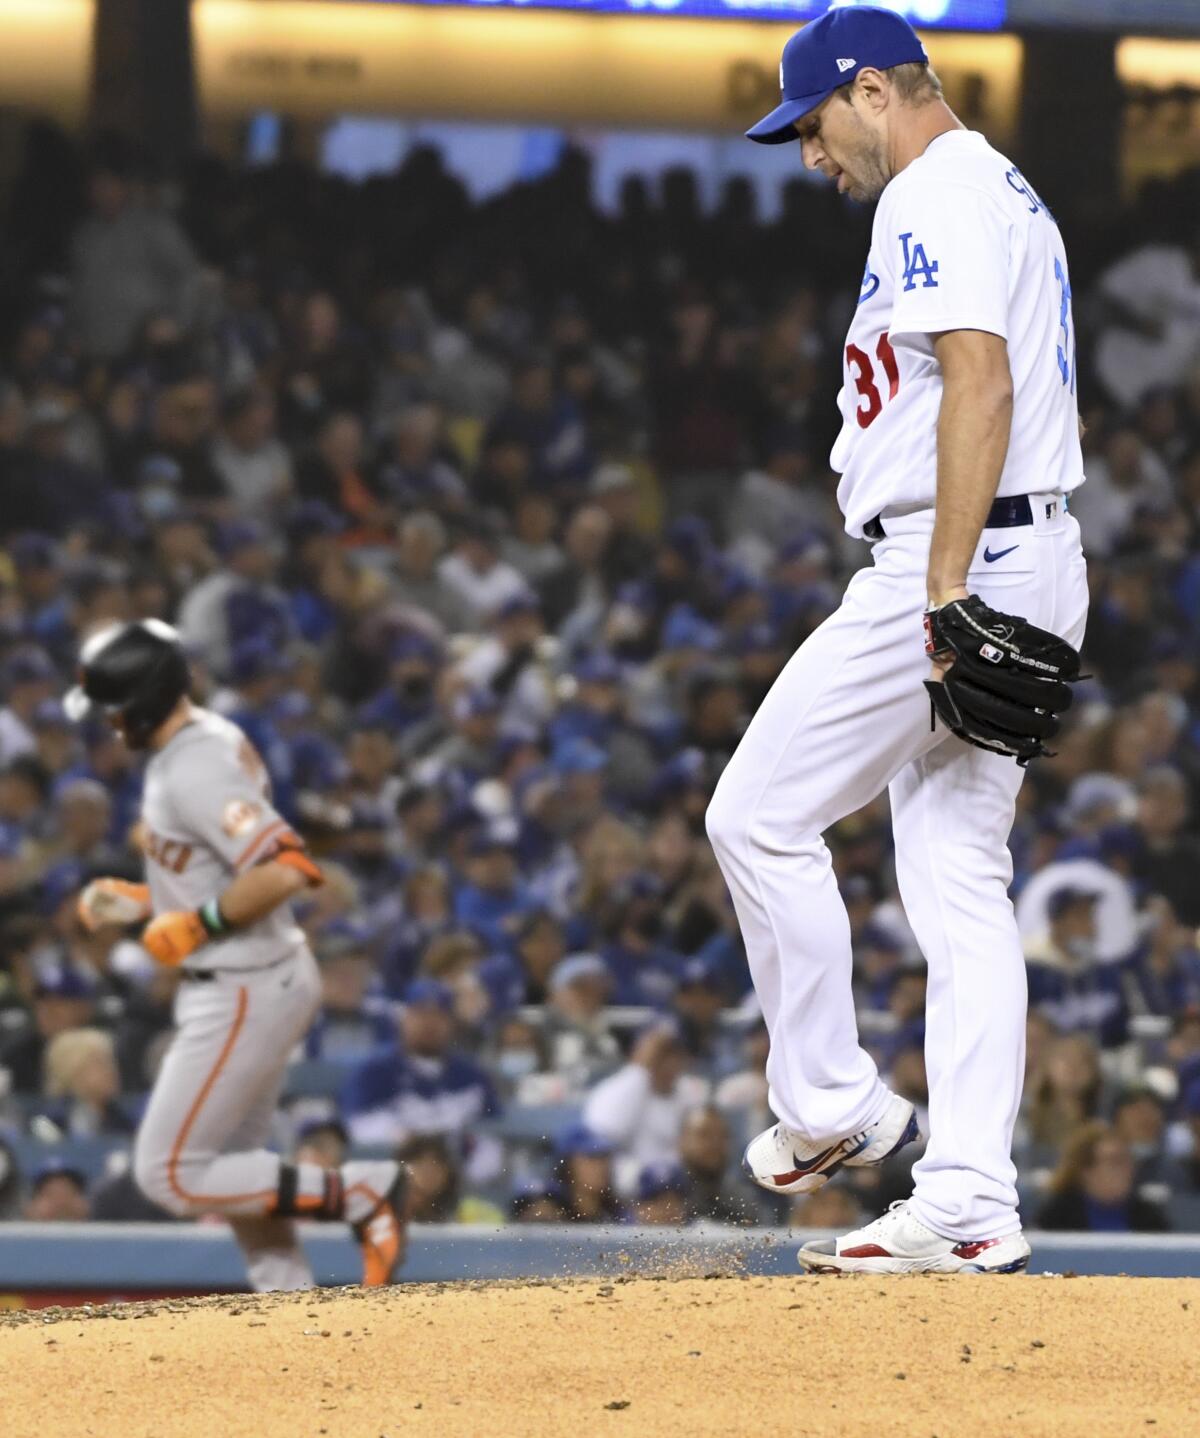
[{"x": 848, "y": 717}]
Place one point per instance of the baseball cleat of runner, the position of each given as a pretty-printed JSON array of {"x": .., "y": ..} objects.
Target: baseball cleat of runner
[{"x": 383, "y": 1233}]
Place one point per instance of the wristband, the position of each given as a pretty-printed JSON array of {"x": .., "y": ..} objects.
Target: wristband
[{"x": 215, "y": 923}]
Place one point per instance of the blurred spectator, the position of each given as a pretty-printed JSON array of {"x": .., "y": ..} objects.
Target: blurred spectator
[
  {"x": 1151, "y": 307},
  {"x": 704, "y": 1154},
  {"x": 323, "y": 1141},
  {"x": 1184, "y": 1171},
  {"x": 1065, "y": 981},
  {"x": 584, "y": 1171},
  {"x": 64, "y": 998},
  {"x": 1125, "y": 474},
  {"x": 252, "y": 461},
  {"x": 1066, "y": 1091},
  {"x": 1092, "y": 1190},
  {"x": 476, "y": 574},
  {"x": 238, "y": 601},
  {"x": 1164, "y": 978},
  {"x": 332, "y": 473},
  {"x": 661, "y": 1195},
  {"x": 81, "y": 1072},
  {"x": 491, "y": 900},
  {"x": 57, "y": 1194},
  {"x": 580, "y": 1042},
  {"x": 575, "y": 596},
  {"x": 418, "y": 582},
  {"x": 116, "y": 1198},
  {"x": 641, "y": 1108},
  {"x": 434, "y": 1182},
  {"x": 743, "y": 1094},
  {"x": 539, "y": 1200},
  {"x": 1139, "y": 1119},
  {"x": 350, "y": 1022},
  {"x": 518, "y": 1058},
  {"x": 644, "y": 970},
  {"x": 540, "y": 944},
  {"x": 1116, "y": 927},
  {"x": 10, "y": 1181},
  {"x": 776, "y": 500},
  {"x": 423, "y": 1087},
  {"x": 1169, "y": 859},
  {"x": 698, "y": 1004},
  {"x": 130, "y": 262},
  {"x": 28, "y": 679}
]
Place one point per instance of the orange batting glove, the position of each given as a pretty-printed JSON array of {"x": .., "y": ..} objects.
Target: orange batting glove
[
  {"x": 172, "y": 937},
  {"x": 112, "y": 901}
]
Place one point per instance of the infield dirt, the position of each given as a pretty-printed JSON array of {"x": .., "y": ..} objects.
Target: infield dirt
[{"x": 810, "y": 1357}]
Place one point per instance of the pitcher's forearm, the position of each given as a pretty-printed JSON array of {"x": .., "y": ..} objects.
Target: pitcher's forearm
[{"x": 973, "y": 432}]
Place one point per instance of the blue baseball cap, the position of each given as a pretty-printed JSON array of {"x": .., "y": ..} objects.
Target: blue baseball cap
[
  {"x": 408, "y": 645},
  {"x": 239, "y": 534},
  {"x": 577, "y": 966},
  {"x": 58, "y": 1167},
  {"x": 655, "y": 1179},
  {"x": 63, "y": 980},
  {"x": 534, "y": 1189},
  {"x": 50, "y": 714},
  {"x": 255, "y": 658},
  {"x": 579, "y": 756},
  {"x": 828, "y": 54},
  {"x": 328, "y": 1123},
  {"x": 702, "y": 973},
  {"x": 579, "y": 1139},
  {"x": 598, "y": 668},
  {"x": 474, "y": 703},
  {"x": 429, "y": 994},
  {"x": 28, "y": 665},
  {"x": 524, "y": 601}
]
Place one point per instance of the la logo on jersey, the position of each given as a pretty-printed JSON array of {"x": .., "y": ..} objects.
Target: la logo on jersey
[
  {"x": 917, "y": 263},
  {"x": 844, "y": 65}
]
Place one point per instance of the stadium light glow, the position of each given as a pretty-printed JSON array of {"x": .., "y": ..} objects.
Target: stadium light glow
[{"x": 939, "y": 14}]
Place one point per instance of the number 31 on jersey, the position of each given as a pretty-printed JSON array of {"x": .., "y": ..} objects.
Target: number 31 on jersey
[{"x": 862, "y": 372}]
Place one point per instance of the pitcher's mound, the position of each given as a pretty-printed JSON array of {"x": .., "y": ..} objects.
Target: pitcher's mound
[{"x": 952, "y": 1357}]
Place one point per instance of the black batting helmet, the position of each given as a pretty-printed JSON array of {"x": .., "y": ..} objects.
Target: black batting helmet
[{"x": 137, "y": 672}]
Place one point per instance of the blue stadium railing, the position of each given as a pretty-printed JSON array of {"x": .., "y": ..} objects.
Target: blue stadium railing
[{"x": 127, "y": 1259}]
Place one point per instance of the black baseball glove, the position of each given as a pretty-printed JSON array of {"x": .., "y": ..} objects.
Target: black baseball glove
[{"x": 1009, "y": 680}]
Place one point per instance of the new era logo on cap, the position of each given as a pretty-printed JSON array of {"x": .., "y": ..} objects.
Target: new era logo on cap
[{"x": 827, "y": 53}]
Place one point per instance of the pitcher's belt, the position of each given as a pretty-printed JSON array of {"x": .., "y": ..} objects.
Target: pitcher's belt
[{"x": 1004, "y": 514}]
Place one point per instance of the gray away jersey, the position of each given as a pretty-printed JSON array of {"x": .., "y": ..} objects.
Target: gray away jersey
[{"x": 207, "y": 817}]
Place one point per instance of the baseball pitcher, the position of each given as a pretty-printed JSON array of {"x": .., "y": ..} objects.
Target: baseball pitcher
[
  {"x": 958, "y": 450},
  {"x": 221, "y": 868}
]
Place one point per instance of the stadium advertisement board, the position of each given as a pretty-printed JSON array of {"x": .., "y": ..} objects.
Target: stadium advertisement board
[
  {"x": 539, "y": 66},
  {"x": 944, "y": 14}
]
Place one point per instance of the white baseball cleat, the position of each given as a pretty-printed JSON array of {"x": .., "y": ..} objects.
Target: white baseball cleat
[
  {"x": 781, "y": 1160},
  {"x": 898, "y": 1242}
]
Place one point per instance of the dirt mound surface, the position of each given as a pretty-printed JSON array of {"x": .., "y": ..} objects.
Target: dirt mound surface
[{"x": 951, "y": 1357}]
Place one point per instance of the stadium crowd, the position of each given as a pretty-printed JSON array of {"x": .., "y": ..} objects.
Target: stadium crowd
[{"x": 492, "y": 524}]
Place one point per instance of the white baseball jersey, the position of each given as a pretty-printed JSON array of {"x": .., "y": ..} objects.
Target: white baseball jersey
[
  {"x": 961, "y": 241},
  {"x": 207, "y": 817}
]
